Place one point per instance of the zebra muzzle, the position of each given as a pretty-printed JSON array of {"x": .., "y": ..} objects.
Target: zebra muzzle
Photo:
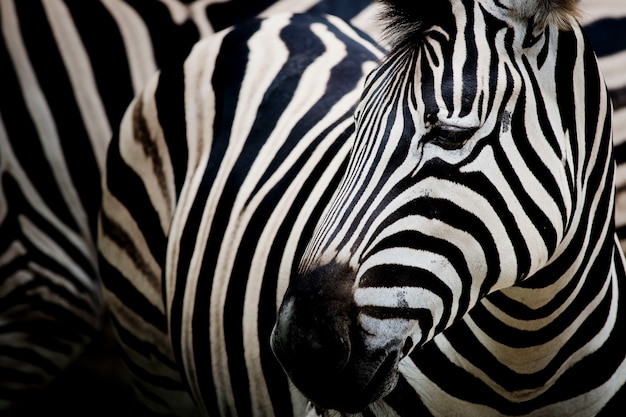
[{"x": 323, "y": 349}]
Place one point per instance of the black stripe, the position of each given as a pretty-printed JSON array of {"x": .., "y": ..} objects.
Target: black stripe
[
  {"x": 170, "y": 102},
  {"x": 470, "y": 68},
  {"x": 172, "y": 42},
  {"x": 107, "y": 54}
]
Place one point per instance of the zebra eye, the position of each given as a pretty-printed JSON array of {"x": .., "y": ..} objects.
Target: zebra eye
[{"x": 449, "y": 137}]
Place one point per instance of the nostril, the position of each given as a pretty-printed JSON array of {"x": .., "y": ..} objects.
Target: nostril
[
  {"x": 306, "y": 340},
  {"x": 315, "y": 333},
  {"x": 311, "y": 338},
  {"x": 327, "y": 350}
]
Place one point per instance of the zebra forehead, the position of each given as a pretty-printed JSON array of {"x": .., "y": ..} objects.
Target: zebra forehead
[
  {"x": 544, "y": 12},
  {"x": 405, "y": 19}
]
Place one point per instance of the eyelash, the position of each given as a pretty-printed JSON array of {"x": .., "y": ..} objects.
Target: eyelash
[{"x": 449, "y": 137}]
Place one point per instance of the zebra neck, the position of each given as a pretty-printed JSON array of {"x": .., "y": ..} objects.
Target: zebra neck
[
  {"x": 524, "y": 357},
  {"x": 529, "y": 326}
]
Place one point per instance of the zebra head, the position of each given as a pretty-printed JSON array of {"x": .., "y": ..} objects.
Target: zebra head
[{"x": 474, "y": 144}]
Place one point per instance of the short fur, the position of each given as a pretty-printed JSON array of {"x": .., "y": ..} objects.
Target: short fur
[
  {"x": 548, "y": 12},
  {"x": 406, "y": 19}
]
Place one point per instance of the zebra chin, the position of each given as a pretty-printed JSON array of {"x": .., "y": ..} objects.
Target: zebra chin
[{"x": 323, "y": 349}]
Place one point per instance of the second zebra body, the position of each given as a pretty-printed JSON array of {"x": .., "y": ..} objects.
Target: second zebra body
[{"x": 449, "y": 250}]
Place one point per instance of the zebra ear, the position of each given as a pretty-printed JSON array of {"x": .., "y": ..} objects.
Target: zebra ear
[{"x": 559, "y": 13}]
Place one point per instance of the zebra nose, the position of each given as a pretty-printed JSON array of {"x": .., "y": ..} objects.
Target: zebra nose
[
  {"x": 309, "y": 339},
  {"x": 312, "y": 335}
]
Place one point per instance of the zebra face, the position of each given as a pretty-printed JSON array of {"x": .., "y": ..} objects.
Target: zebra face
[{"x": 459, "y": 183}]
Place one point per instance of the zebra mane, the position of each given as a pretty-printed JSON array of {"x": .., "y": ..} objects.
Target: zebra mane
[{"x": 403, "y": 20}]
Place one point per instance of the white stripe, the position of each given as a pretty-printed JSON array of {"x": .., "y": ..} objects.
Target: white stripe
[
  {"x": 136, "y": 40},
  {"x": 81, "y": 77},
  {"x": 619, "y": 125},
  {"x": 4, "y": 166},
  {"x": 133, "y": 153}
]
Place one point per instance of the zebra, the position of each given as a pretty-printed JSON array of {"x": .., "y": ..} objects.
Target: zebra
[
  {"x": 467, "y": 263},
  {"x": 68, "y": 71},
  {"x": 233, "y": 182}
]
